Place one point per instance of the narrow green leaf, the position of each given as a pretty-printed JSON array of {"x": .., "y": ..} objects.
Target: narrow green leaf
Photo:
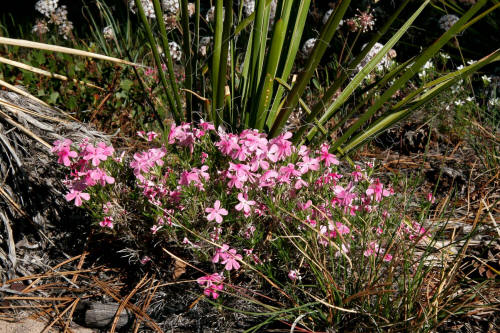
[
  {"x": 407, "y": 75},
  {"x": 358, "y": 78},
  {"x": 166, "y": 51},
  {"x": 187, "y": 52},
  {"x": 273, "y": 59},
  {"x": 298, "y": 28},
  {"x": 319, "y": 49},
  {"x": 216, "y": 59},
  {"x": 433, "y": 88},
  {"x": 154, "y": 48}
]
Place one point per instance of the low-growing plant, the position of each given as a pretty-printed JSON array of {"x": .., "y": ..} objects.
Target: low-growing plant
[{"x": 330, "y": 242}]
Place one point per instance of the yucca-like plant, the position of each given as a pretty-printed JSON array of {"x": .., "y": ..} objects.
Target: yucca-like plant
[{"x": 253, "y": 89}]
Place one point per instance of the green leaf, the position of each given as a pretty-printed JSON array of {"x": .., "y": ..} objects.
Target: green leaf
[
  {"x": 53, "y": 97},
  {"x": 126, "y": 85}
]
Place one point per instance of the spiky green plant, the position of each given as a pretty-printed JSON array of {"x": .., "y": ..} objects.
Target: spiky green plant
[{"x": 250, "y": 90}]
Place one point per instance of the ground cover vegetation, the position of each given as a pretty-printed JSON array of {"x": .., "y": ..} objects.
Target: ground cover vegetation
[{"x": 235, "y": 159}]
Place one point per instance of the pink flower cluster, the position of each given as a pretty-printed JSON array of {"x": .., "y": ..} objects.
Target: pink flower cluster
[
  {"x": 84, "y": 163},
  {"x": 254, "y": 172}
]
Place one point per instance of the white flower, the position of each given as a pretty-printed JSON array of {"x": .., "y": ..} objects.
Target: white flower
[
  {"x": 147, "y": 5},
  {"x": 486, "y": 79},
  {"x": 445, "y": 56},
  {"x": 470, "y": 62},
  {"x": 494, "y": 101},
  {"x": 211, "y": 14},
  {"x": 470, "y": 99},
  {"x": 65, "y": 29},
  {"x": 327, "y": 16},
  {"x": 428, "y": 65},
  {"x": 59, "y": 16},
  {"x": 384, "y": 64},
  {"x": 460, "y": 67},
  {"x": 459, "y": 102}
]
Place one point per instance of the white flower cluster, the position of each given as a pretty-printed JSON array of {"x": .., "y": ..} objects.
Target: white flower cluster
[
  {"x": 40, "y": 27},
  {"x": 175, "y": 51},
  {"x": 56, "y": 15},
  {"x": 447, "y": 21},
  {"x": 147, "y": 5},
  {"x": 108, "y": 32},
  {"x": 59, "y": 16},
  {"x": 46, "y": 7},
  {"x": 384, "y": 64},
  {"x": 205, "y": 44},
  {"x": 424, "y": 71},
  {"x": 248, "y": 7},
  {"x": 308, "y": 47},
  {"x": 170, "y": 6}
]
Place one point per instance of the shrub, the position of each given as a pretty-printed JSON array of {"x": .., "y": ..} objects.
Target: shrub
[{"x": 330, "y": 239}]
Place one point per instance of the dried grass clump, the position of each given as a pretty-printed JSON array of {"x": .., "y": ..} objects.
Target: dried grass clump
[{"x": 32, "y": 207}]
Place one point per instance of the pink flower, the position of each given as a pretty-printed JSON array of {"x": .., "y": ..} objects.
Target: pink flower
[
  {"x": 305, "y": 206},
  {"x": 308, "y": 164},
  {"x": 387, "y": 257},
  {"x": 152, "y": 135},
  {"x": 206, "y": 126},
  {"x": 357, "y": 175},
  {"x": 280, "y": 147},
  {"x": 300, "y": 183},
  {"x": 344, "y": 196},
  {"x": 377, "y": 188},
  {"x": 107, "y": 222},
  {"x": 106, "y": 207},
  {"x": 231, "y": 260},
  {"x": 145, "y": 260},
  {"x": 97, "y": 154},
  {"x": 77, "y": 196},
  {"x": 212, "y": 283},
  {"x": 154, "y": 229},
  {"x": 342, "y": 228},
  {"x": 244, "y": 203},
  {"x": 249, "y": 232},
  {"x": 98, "y": 175},
  {"x": 220, "y": 254},
  {"x": 371, "y": 249},
  {"x": 430, "y": 198},
  {"x": 216, "y": 212},
  {"x": 63, "y": 150},
  {"x": 294, "y": 275},
  {"x": 203, "y": 157},
  {"x": 326, "y": 157}
]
